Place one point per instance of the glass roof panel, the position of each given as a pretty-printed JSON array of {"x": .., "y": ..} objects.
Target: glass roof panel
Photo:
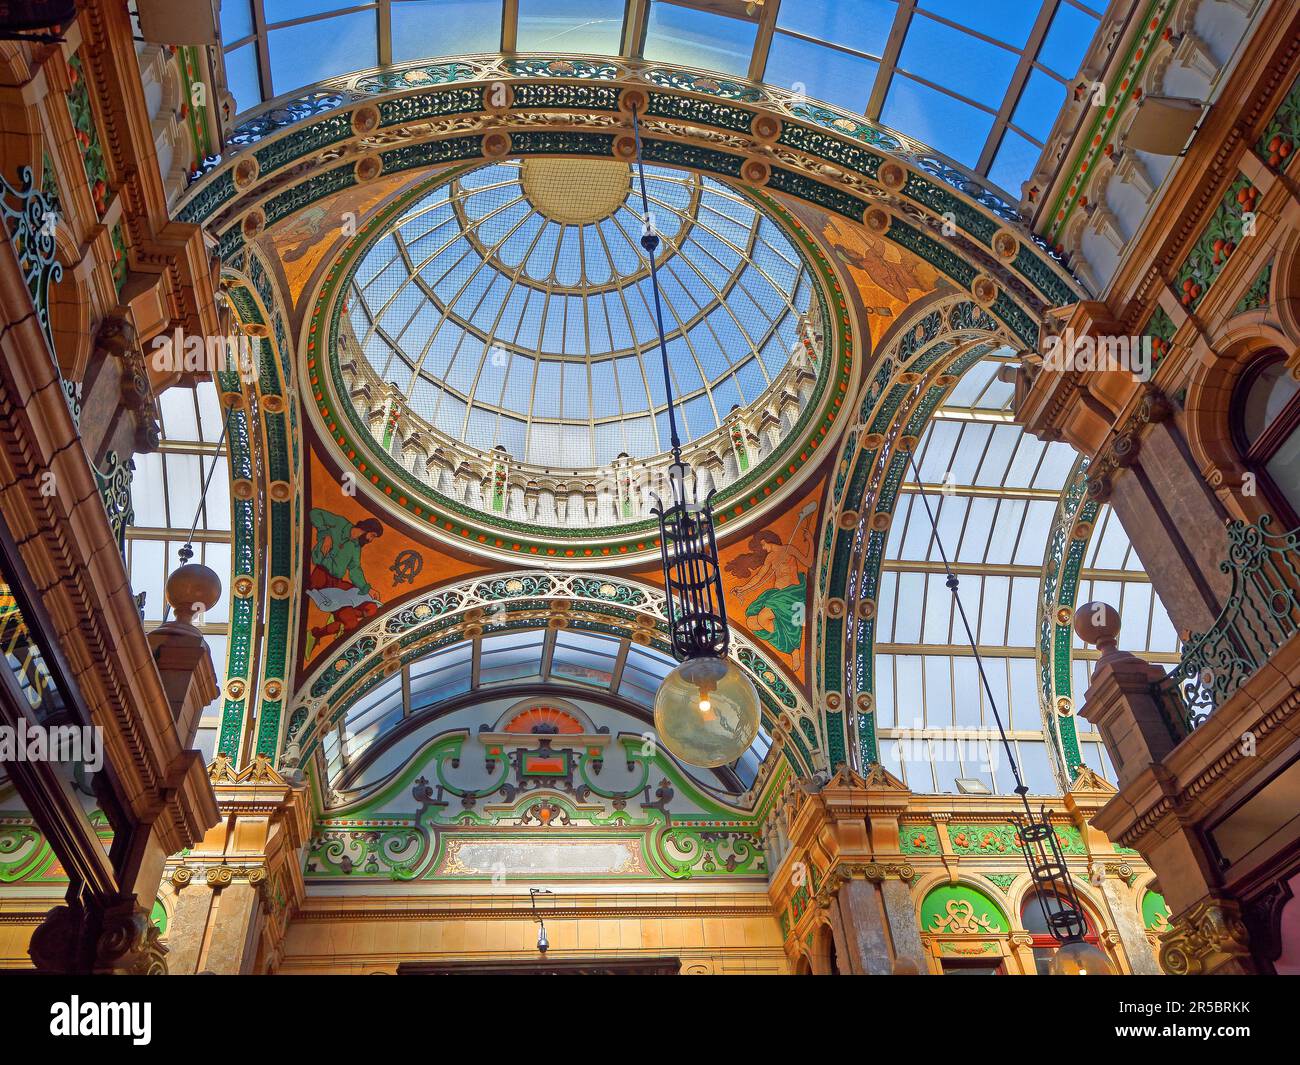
[
  {"x": 1016, "y": 157},
  {"x": 823, "y": 73},
  {"x": 953, "y": 127},
  {"x": 236, "y": 20},
  {"x": 535, "y": 299},
  {"x": 982, "y": 74},
  {"x": 588, "y": 27},
  {"x": 423, "y": 28},
  {"x": 165, "y": 497},
  {"x": 842, "y": 53},
  {"x": 994, "y": 492},
  {"x": 694, "y": 38},
  {"x": 1040, "y": 103},
  {"x": 242, "y": 76},
  {"x": 1009, "y": 21},
  {"x": 283, "y": 10},
  {"x": 308, "y": 52},
  {"x": 1068, "y": 38},
  {"x": 863, "y": 26}
]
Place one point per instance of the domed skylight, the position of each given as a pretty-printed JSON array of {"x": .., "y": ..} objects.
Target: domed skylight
[{"x": 512, "y": 305}]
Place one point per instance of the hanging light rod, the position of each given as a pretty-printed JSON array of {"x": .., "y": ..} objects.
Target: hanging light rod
[{"x": 706, "y": 710}]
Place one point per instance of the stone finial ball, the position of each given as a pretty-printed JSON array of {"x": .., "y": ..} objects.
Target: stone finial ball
[
  {"x": 191, "y": 589},
  {"x": 1097, "y": 623}
]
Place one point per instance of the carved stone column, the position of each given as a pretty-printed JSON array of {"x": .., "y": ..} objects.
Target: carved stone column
[
  {"x": 1173, "y": 518},
  {"x": 876, "y": 921},
  {"x": 860, "y": 914},
  {"x": 237, "y": 890},
  {"x": 1130, "y": 934},
  {"x": 844, "y": 855},
  {"x": 1142, "y": 463}
]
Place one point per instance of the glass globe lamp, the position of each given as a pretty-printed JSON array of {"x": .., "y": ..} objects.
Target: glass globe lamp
[
  {"x": 706, "y": 712},
  {"x": 1078, "y": 958}
]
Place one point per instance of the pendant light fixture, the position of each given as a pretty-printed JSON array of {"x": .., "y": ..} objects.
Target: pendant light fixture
[
  {"x": 706, "y": 710},
  {"x": 543, "y": 944},
  {"x": 1044, "y": 858}
]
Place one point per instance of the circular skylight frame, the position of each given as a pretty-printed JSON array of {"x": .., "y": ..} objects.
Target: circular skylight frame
[
  {"x": 459, "y": 363},
  {"x": 345, "y": 408}
]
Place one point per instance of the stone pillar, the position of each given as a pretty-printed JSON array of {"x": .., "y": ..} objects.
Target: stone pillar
[
  {"x": 1173, "y": 518},
  {"x": 1125, "y": 914},
  {"x": 859, "y": 912},
  {"x": 237, "y": 890},
  {"x": 875, "y": 924},
  {"x": 1022, "y": 953},
  {"x": 900, "y": 911},
  {"x": 1121, "y": 701},
  {"x": 843, "y": 842}
]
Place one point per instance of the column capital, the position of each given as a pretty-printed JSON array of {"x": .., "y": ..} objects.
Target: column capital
[
  {"x": 128, "y": 943},
  {"x": 118, "y": 940},
  {"x": 1209, "y": 937}
]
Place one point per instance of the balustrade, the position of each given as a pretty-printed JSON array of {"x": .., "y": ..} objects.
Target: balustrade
[{"x": 495, "y": 482}]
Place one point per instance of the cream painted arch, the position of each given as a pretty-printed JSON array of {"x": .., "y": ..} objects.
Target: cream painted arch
[{"x": 531, "y": 599}]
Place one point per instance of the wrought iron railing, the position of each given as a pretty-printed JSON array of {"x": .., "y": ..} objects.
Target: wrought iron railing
[
  {"x": 114, "y": 483},
  {"x": 31, "y": 217},
  {"x": 1261, "y": 614}
]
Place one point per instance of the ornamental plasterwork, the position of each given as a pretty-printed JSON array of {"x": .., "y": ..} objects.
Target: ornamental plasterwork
[
  {"x": 535, "y": 597},
  {"x": 263, "y": 437},
  {"x": 1204, "y": 938},
  {"x": 918, "y": 370},
  {"x": 1067, "y": 546},
  {"x": 785, "y": 130},
  {"x": 507, "y": 802},
  {"x": 959, "y": 918}
]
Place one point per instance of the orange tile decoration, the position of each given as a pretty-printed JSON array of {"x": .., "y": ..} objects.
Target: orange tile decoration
[
  {"x": 358, "y": 563},
  {"x": 888, "y": 277}
]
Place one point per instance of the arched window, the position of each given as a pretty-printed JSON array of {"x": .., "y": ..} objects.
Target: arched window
[
  {"x": 1044, "y": 943},
  {"x": 1266, "y": 423}
]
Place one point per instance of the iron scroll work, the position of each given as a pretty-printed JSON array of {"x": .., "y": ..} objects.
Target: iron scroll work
[{"x": 1261, "y": 614}]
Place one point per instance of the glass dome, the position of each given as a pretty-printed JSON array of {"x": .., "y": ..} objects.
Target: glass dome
[{"x": 512, "y": 306}]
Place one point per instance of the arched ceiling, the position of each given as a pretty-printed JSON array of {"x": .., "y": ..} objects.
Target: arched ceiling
[
  {"x": 310, "y": 185},
  {"x": 540, "y": 661},
  {"x": 888, "y": 60}
]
